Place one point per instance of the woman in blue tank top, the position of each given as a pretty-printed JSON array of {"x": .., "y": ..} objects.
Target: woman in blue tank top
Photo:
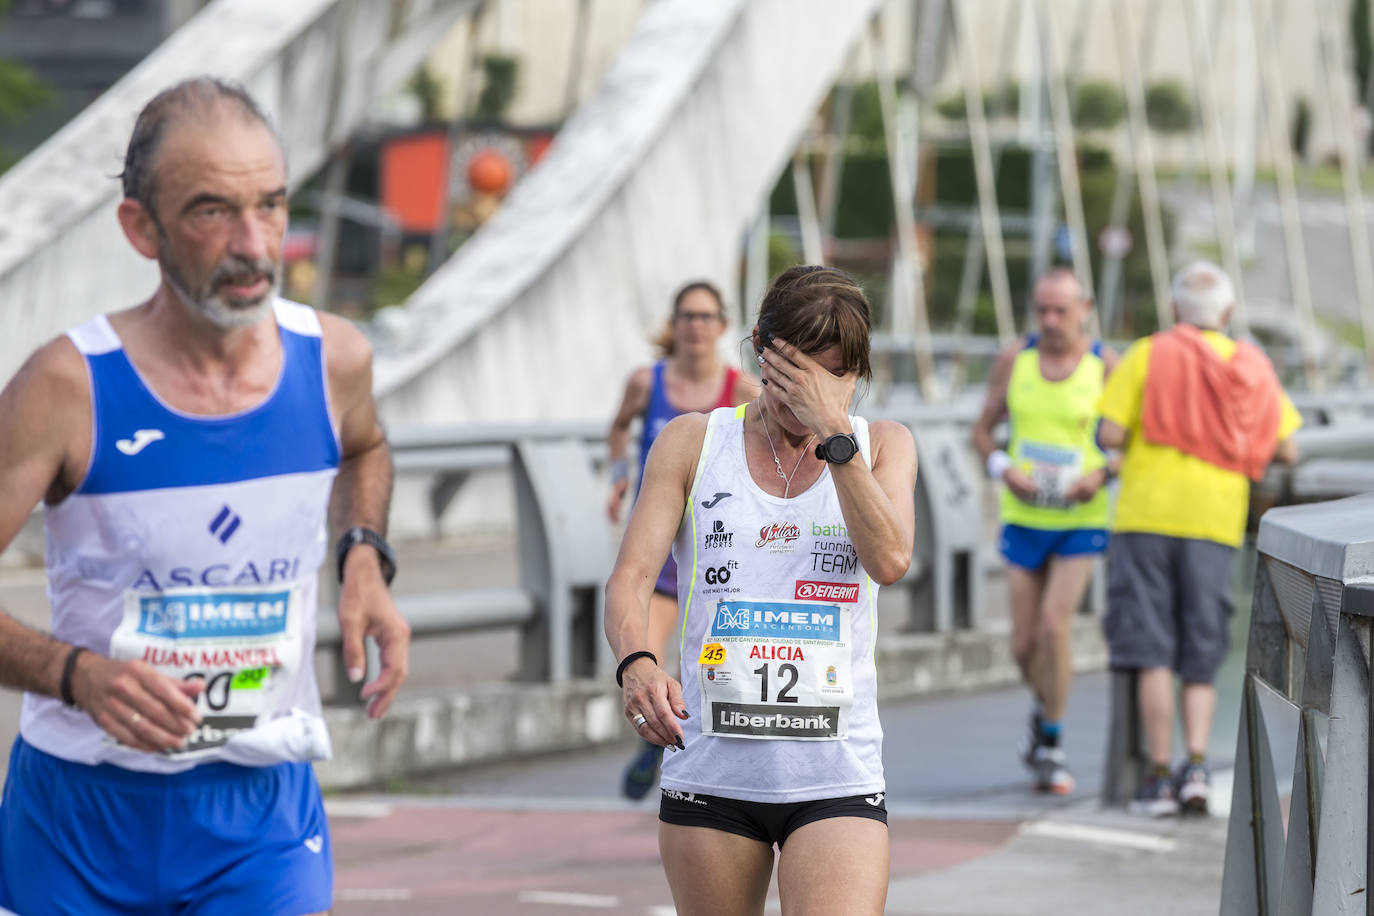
[{"x": 688, "y": 376}]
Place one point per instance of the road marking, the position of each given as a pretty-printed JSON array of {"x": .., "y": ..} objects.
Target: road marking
[
  {"x": 1103, "y": 836},
  {"x": 661, "y": 911},
  {"x": 348, "y": 807},
  {"x": 372, "y": 893},
  {"x": 565, "y": 898}
]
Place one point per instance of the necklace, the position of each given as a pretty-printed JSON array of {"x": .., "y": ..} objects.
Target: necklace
[{"x": 787, "y": 479}]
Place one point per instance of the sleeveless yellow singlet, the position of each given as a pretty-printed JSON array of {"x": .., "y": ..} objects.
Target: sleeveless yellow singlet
[{"x": 1053, "y": 428}]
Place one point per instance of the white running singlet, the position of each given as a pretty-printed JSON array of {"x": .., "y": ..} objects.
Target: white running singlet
[
  {"x": 777, "y": 637},
  {"x": 193, "y": 544}
]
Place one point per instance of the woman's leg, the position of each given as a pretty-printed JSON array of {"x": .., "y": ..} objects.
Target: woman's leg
[
  {"x": 714, "y": 872},
  {"x": 836, "y": 865}
]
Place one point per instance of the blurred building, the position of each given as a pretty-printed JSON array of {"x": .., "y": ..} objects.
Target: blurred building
[{"x": 79, "y": 48}]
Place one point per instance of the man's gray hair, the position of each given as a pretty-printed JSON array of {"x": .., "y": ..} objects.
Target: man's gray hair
[
  {"x": 195, "y": 96},
  {"x": 1202, "y": 293}
]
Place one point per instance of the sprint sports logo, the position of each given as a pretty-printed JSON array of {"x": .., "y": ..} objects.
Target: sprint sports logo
[
  {"x": 808, "y": 590},
  {"x": 778, "y": 537}
]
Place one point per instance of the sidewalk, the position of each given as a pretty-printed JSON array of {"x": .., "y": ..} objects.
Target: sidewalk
[
  {"x": 435, "y": 859},
  {"x": 551, "y": 835}
]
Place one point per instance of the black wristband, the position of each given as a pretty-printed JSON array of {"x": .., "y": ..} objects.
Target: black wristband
[
  {"x": 68, "y": 668},
  {"x": 625, "y": 663},
  {"x": 359, "y": 535}
]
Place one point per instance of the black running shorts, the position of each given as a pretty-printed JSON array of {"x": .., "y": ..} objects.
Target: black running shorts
[{"x": 763, "y": 821}]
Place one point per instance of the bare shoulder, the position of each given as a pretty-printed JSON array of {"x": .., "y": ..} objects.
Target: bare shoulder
[
  {"x": 892, "y": 439},
  {"x": 1001, "y": 367},
  {"x": 683, "y": 434},
  {"x": 746, "y": 388},
  {"x": 346, "y": 348},
  {"x": 1110, "y": 357},
  {"x": 45, "y": 416},
  {"x": 54, "y": 373},
  {"x": 638, "y": 384}
]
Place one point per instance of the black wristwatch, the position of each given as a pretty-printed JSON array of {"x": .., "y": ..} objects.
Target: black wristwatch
[
  {"x": 838, "y": 449},
  {"x": 355, "y": 536}
]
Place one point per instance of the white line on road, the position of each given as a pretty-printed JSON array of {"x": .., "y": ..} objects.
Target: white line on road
[
  {"x": 1103, "y": 836},
  {"x": 348, "y": 807},
  {"x": 567, "y": 898},
  {"x": 372, "y": 893},
  {"x": 661, "y": 911}
]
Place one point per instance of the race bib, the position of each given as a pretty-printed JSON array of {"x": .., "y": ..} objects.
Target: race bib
[
  {"x": 778, "y": 669},
  {"x": 243, "y": 642},
  {"x": 1052, "y": 469}
]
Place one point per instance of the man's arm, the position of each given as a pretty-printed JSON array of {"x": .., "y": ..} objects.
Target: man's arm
[
  {"x": 44, "y": 452},
  {"x": 995, "y": 403},
  {"x": 994, "y": 410},
  {"x": 362, "y": 497}
]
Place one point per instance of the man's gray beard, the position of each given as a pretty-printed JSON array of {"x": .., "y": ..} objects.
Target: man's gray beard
[{"x": 218, "y": 312}]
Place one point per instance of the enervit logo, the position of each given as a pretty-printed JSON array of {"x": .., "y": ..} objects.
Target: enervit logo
[
  {"x": 776, "y": 619},
  {"x": 827, "y": 591},
  {"x": 225, "y": 524},
  {"x": 211, "y": 615},
  {"x": 777, "y": 532}
]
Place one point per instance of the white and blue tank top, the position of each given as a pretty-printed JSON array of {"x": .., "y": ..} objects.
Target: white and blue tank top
[{"x": 194, "y": 543}]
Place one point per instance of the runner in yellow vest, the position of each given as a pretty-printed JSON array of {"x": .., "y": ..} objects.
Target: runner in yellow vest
[{"x": 1054, "y": 508}]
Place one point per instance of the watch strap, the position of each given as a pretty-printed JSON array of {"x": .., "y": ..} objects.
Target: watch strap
[{"x": 360, "y": 535}]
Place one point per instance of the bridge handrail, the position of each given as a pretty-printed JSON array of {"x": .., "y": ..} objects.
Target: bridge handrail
[
  {"x": 944, "y": 583},
  {"x": 1309, "y": 652}
]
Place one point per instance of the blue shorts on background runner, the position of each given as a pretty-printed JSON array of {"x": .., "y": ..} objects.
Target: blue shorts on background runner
[
  {"x": 1031, "y": 548},
  {"x": 217, "y": 839}
]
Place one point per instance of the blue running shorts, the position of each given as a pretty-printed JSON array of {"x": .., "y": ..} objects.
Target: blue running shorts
[
  {"x": 1031, "y": 548},
  {"x": 217, "y": 839}
]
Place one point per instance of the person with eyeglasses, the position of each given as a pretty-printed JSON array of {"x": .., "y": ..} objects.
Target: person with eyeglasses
[{"x": 689, "y": 376}]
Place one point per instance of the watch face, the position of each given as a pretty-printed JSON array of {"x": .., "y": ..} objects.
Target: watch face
[{"x": 840, "y": 449}]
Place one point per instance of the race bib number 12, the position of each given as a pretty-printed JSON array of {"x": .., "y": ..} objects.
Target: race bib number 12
[{"x": 783, "y": 671}]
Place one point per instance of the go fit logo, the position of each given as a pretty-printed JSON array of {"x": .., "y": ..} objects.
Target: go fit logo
[{"x": 808, "y": 590}]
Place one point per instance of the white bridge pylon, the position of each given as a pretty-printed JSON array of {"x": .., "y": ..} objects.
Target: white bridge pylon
[
  {"x": 655, "y": 180},
  {"x": 313, "y": 64}
]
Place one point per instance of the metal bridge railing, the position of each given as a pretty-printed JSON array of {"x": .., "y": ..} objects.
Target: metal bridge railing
[
  {"x": 1309, "y": 660},
  {"x": 566, "y": 545}
]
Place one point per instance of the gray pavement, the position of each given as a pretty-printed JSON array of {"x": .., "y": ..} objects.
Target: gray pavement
[{"x": 968, "y": 836}]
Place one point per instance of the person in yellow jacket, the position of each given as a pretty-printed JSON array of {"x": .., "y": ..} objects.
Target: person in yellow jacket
[
  {"x": 1200, "y": 415},
  {"x": 1054, "y": 507}
]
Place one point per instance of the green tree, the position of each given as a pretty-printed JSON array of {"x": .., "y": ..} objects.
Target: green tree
[
  {"x": 1099, "y": 106},
  {"x": 1364, "y": 45},
  {"x": 428, "y": 93},
  {"x": 20, "y": 92},
  {"x": 1169, "y": 107},
  {"x": 499, "y": 74}
]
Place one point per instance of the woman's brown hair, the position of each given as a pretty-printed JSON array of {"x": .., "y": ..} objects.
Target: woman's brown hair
[{"x": 814, "y": 308}]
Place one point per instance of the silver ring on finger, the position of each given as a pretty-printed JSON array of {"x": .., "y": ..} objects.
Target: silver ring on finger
[
  {"x": 135, "y": 719},
  {"x": 639, "y": 721}
]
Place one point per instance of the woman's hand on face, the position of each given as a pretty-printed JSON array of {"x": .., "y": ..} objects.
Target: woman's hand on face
[{"x": 819, "y": 398}]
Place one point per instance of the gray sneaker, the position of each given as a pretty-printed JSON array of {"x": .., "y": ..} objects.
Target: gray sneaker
[
  {"x": 1156, "y": 798},
  {"x": 1052, "y": 774},
  {"x": 1192, "y": 784}
]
